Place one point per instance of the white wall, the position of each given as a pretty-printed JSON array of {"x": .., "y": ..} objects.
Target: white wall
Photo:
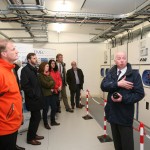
[
  {"x": 88, "y": 57},
  {"x": 68, "y": 37}
]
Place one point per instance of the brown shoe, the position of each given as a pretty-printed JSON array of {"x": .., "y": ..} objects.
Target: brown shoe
[
  {"x": 54, "y": 123},
  {"x": 34, "y": 142},
  {"x": 47, "y": 126},
  {"x": 69, "y": 110},
  {"x": 39, "y": 137},
  {"x": 79, "y": 107}
]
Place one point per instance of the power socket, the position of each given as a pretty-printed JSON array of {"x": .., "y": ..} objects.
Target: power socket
[{"x": 147, "y": 105}]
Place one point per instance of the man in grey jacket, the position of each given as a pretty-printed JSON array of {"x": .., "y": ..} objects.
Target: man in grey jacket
[{"x": 61, "y": 67}]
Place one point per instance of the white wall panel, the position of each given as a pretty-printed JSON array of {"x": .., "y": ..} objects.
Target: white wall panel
[
  {"x": 133, "y": 52},
  {"x": 68, "y": 37},
  {"x": 139, "y": 51},
  {"x": 106, "y": 57},
  {"x": 88, "y": 56},
  {"x": 144, "y": 51},
  {"x": 113, "y": 52},
  {"x": 122, "y": 48},
  {"x": 136, "y": 112},
  {"x": 143, "y": 112},
  {"x": 106, "y": 69}
]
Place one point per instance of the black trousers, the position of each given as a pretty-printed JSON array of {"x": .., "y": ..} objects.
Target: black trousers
[
  {"x": 58, "y": 101},
  {"x": 52, "y": 102},
  {"x": 33, "y": 124},
  {"x": 123, "y": 137},
  {"x": 8, "y": 142},
  {"x": 73, "y": 97}
]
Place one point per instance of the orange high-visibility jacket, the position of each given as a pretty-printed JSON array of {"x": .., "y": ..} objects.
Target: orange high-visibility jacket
[{"x": 10, "y": 100}]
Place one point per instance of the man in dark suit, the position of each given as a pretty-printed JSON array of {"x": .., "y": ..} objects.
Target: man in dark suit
[
  {"x": 75, "y": 80},
  {"x": 33, "y": 97}
]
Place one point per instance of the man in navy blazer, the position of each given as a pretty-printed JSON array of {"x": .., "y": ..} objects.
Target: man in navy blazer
[
  {"x": 125, "y": 88},
  {"x": 75, "y": 80}
]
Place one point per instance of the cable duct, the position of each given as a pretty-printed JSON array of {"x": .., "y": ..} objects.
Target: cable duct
[{"x": 115, "y": 22}]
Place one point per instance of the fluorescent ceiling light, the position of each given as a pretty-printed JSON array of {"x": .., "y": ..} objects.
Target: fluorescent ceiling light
[
  {"x": 58, "y": 27},
  {"x": 63, "y": 6}
]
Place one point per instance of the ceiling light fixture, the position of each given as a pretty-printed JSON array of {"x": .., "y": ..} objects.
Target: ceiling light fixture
[
  {"x": 63, "y": 6},
  {"x": 58, "y": 27}
]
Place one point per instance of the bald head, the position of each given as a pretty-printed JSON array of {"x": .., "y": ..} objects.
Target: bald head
[
  {"x": 120, "y": 54},
  {"x": 121, "y": 60},
  {"x": 74, "y": 64}
]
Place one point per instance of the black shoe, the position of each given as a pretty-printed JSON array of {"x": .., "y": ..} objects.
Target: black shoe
[
  {"x": 69, "y": 110},
  {"x": 47, "y": 126},
  {"x": 55, "y": 123},
  {"x": 82, "y": 105},
  {"x": 19, "y": 148},
  {"x": 59, "y": 111}
]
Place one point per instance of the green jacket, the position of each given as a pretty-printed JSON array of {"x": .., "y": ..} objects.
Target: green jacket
[{"x": 47, "y": 83}]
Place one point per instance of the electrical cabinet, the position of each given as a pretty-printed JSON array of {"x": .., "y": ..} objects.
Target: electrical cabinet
[{"x": 144, "y": 110}]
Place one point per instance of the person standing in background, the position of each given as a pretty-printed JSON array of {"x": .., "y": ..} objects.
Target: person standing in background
[
  {"x": 75, "y": 80},
  {"x": 125, "y": 88},
  {"x": 33, "y": 98},
  {"x": 17, "y": 78},
  {"x": 47, "y": 84},
  {"x": 10, "y": 97},
  {"x": 55, "y": 74},
  {"x": 61, "y": 67}
]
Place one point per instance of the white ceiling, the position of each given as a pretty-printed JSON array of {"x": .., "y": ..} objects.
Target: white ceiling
[
  {"x": 97, "y": 6},
  {"x": 92, "y": 6},
  {"x": 116, "y": 7}
]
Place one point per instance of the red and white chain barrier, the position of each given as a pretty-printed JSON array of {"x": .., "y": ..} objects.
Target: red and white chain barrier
[
  {"x": 87, "y": 102},
  {"x": 102, "y": 104},
  {"x": 141, "y": 136},
  {"x": 105, "y": 122},
  {"x": 87, "y": 116},
  {"x": 142, "y": 131}
]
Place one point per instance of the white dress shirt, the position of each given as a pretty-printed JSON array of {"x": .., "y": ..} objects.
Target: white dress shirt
[{"x": 123, "y": 71}]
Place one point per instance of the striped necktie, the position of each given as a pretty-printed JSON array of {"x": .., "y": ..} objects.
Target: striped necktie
[{"x": 119, "y": 72}]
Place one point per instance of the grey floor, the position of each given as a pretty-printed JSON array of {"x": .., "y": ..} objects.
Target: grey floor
[
  {"x": 97, "y": 112},
  {"x": 74, "y": 133}
]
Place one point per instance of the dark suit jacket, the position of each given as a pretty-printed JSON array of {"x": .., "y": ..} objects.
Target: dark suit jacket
[
  {"x": 122, "y": 113},
  {"x": 71, "y": 80},
  {"x": 32, "y": 88}
]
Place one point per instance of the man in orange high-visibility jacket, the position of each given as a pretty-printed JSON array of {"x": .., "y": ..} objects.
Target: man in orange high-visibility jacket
[{"x": 10, "y": 98}]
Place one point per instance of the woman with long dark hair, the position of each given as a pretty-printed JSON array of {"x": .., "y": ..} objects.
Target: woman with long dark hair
[
  {"x": 58, "y": 81},
  {"x": 47, "y": 84}
]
